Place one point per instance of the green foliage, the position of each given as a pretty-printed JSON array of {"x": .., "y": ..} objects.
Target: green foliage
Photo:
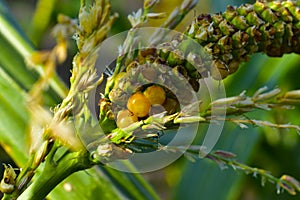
[{"x": 64, "y": 165}]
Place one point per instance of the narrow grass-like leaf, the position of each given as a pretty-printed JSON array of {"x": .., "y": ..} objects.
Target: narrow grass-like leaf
[
  {"x": 14, "y": 119},
  {"x": 131, "y": 185},
  {"x": 14, "y": 39},
  {"x": 41, "y": 19}
]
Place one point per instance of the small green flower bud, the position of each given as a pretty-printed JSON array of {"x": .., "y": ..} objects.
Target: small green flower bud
[
  {"x": 240, "y": 22},
  {"x": 225, "y": 44},
  {"x": 253, "y": 19},
  {"x": 293, "y": 9},
  {"x": 230, "y": 13},
  {"x": 201, "y": 35},
  {"x": 164, "y": 50},
  {"x": 175, "y": 57},
  {"x": 269, "y": 16},
  {"x": 191, "y": 61},
  {"x": 238, "y": 39},
  {"x": 217, "y": 18},
  {"x": 244, "y": 9},
  {"x": 226, "y": 28},
  {"x": 259, "y": 6},
  {"x": 280, "y": 28}
]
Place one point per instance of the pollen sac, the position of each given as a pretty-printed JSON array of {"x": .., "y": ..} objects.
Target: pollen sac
[{"x": 139, "y": 104}]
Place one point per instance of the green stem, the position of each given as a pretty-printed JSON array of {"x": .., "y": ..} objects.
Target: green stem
[{"x": 53, "y": 173}]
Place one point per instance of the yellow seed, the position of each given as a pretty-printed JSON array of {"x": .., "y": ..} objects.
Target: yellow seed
[
  {"x": 139, "y": 105},
  {"x": 125, "y": 118},
  {"x": 155, "y": 94}
]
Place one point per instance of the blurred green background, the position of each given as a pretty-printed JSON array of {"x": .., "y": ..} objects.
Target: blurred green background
[{"x": 271, "y": 149}]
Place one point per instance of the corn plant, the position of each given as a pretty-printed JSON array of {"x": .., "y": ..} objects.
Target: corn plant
[{"x": 142, "y": 104}]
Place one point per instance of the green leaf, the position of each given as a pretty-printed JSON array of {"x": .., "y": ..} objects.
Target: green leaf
[
  {"x": 132, "y": 185},
  {"x": 41, "y": 19},
  {"x": 17, "y": 50},
  {"x": 14, "y": 119},
  {"x": 87, "y": 184},
  {"x": 14, "y": 65},
  {"x": 206, "y": 180}
]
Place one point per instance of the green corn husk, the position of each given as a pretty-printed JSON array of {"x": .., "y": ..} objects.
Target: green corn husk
[{"x": 230, "y": 37}]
